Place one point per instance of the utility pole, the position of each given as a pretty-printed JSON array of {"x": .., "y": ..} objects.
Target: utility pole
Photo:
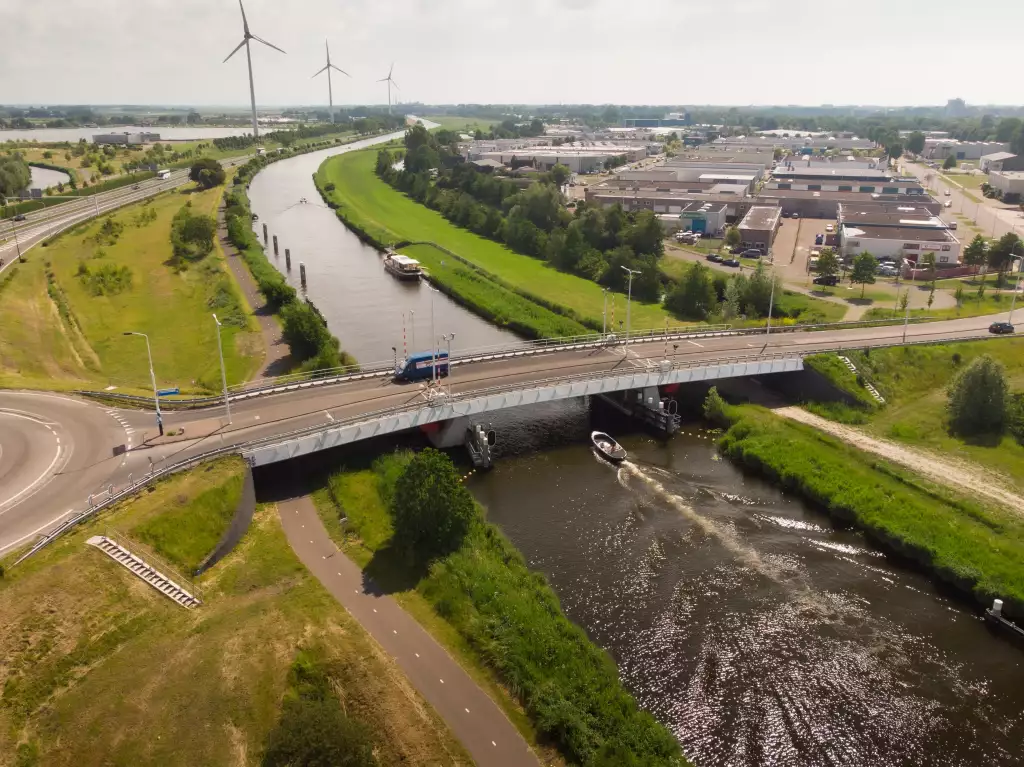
[
  {"x": 604, "y": 313},
  {"x": 771, "y": 304},
  {"x": 223, "y": 373},
  {"x": 629, "y": 298}
]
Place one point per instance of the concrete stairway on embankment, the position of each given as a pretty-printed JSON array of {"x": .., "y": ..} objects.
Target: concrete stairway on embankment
[{"x": 143, "y": 570}]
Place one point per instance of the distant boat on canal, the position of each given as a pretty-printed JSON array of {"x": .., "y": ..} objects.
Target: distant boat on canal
[{"x": 402, "y": 267}]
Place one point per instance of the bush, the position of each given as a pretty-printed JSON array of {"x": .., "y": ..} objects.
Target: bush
[
  {"x": 978, "y": 398},
  {"x": 192, "y": 234},
  {"x": 304, "y": 331},
  {"x": 1015, "y": 416},
  {"x": 107, "y": 280},
  {"x": 207, "y": 173},
  {"x": 431, "y": 508},
  {"x": 714, "y": 407}
]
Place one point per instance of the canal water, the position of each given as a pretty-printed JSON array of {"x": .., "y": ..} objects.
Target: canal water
[
  {"x": 363, "y": 304},
  {"x": 43, "y": 178},
  {"x": 755, "y": 629}
]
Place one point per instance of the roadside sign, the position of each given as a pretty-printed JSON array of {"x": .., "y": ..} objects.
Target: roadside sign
[{"x": 167, "y": 392}]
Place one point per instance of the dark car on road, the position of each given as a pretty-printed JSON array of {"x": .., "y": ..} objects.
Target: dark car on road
[
  {"x": 20, "y": 217},
  {"x": 731, "y": 262},
  {"x": 999, "y": 328},
  {"x": 713, "y": 257},
  {"x": 827, "y": 279},
  {"x": 751, "y": 253}
]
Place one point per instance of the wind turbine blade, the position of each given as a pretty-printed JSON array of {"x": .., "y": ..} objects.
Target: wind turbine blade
[
  {"x": 336, "y": 69},
  {"x": 245, "y": 24},
  {"x": 321, "y": 71},
  {"x": 389, "y": 71},
  {"x": 234, "y": 51},
  {"x": 271, "y": 45},
  {"x": 396, "y": 85},
  {"x": 383, "y": 79}
]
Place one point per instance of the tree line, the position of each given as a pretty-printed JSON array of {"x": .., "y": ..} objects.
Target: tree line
[{"x": 375, "y": 124}]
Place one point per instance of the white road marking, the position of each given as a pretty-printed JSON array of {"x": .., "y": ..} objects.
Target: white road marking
[
  {"x": 467, "y": 710},
  {"x": 442, "y": 681},
  {"x": 393, "y": 631},
  {"x": 494, "y": 744},
  {"x": 695, "y": 343},
  {"x": 417, "y": 655},
  {"x": 329, "y": 416}
]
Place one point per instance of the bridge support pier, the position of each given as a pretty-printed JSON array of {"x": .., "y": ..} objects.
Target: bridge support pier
[
  {"x": 646, "y": 405},
  {"x": 477, "y": 438}
]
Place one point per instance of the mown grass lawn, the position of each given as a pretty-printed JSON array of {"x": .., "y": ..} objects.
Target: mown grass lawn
[
  {"x": 462, "y": 124},
  {"x": 390, "y": 216},
  {"x": 57, "y": 334},
  {"x": 992, "y": 303},
  {"x": 99, "y": 668}
]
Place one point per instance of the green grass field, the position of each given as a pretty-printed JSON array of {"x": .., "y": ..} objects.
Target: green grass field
[
  {"x": 967, "y": 180},
  {"x": 462, "y": 124},
  {"x": 390, "y": 216},
  {"x": 978, "y": 548},
  {"x": 57, "y": 334},
  {"x": 99, "y": 668},
  {"x": 992, "y": 303}
]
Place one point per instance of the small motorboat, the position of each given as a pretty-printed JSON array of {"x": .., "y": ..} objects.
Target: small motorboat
[{"x": 607, "y": 446}]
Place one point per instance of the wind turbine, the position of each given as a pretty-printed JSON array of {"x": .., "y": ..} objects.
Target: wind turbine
[
  {"x": 248, "y": 56},
  {"x": 327, "y": 69},
  {"x": 389, "y": 80}
]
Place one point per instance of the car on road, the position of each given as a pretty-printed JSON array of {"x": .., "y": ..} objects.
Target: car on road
[
  {"x": 827, "y": 279},
  {"x": 795, "y": 215},
  {"x": 948, "y": 203},
  {"x": 887, "y": 271},
  {"x": 135, "y": 186},
  {"x": 20, "y": 217},
  {"x": 947, "y": 193},
  {"x": 713, "y": 257},
  {"x": 785, "y": 214},
  {"x": 1000, "y": 328},
  {"x": 829, "y": 228},
  {"x": 731, "y": 262},
  {"x": 751, "y": 253}
]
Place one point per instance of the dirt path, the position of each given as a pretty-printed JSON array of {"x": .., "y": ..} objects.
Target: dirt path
[
  {"x": 958, "y": 475},
  {"x": 276, "y": 360},
  {"x": 475, "y": 719}
]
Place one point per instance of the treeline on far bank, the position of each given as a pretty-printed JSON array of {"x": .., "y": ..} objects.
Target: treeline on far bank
[{"x": 310, "y": 342}]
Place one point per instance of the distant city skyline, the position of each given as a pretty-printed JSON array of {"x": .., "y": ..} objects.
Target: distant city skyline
[{"x": 883, "y": 53}]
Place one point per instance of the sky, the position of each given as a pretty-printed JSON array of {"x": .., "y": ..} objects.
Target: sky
[{"x": 880, "y": 52}]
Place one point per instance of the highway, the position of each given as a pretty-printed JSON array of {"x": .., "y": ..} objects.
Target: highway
[{"x": 41, "y": 480}]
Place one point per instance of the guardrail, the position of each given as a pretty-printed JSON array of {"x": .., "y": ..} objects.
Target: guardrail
[
  {"x": 350, "y": 373},
  {"x": 113, "y": 496}
]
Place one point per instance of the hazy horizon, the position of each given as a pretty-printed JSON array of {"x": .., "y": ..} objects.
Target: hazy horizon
[{"x": 743, "y": 53}]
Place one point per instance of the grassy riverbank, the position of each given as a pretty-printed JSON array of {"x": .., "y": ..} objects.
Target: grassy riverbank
[
  {"x": 67, "y": 307},
  {"x": 387, "y": 216},
  {"x": 504, "y": 624},
  {"x": 99, "y": 668},
  {"x": 978, "y": 549}
]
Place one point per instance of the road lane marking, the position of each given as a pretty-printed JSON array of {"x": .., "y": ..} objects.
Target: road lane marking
[{"x": 695, "y": 343}]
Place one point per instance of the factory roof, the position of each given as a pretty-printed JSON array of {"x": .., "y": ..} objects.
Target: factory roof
[
  {"x": 908, "y": 233},
  {"x": 803, "y": 194},
  {"x": 823, "y": 170},
  {"x": 761, "y": 217},
  {"x": 995, "y": 156}
]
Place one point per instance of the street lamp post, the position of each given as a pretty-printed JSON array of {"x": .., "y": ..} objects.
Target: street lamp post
[
  {"x": 223, "y": 372},
  {"x": 152, "y": 378},
  {"x": 1016, "y": 286},
  {"x": 448, "y": 338},
  {"x": 771, "y": 304},
  {"x": 433, "y": 339},
  {"x": 604, "y": 313},
  {"x": 629, "y": 298}
]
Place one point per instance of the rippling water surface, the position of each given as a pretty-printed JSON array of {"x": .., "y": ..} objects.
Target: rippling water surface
[{"x": 744, "y": 620}]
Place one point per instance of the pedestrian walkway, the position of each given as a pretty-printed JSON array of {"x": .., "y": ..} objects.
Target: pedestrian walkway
[
  {"x": 482, "y": 727},
  {"x": 273, "y": 339}
]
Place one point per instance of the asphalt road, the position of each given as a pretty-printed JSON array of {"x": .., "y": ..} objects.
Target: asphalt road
[
  {"x": 90, "y": 432},
  {"x": 473, "y": 717}
]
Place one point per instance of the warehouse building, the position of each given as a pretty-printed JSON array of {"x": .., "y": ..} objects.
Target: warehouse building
[
  {"x": 825, "y": 204},
  {"x": 896, "y": 231},
  {"x": 587, "y": 159},
  {"x": 758, "y": 227},
  {"x": 1009, "y": 182},
  {"x": 796, "y": 144},
  {"x": 1001, "y": 161},
  {"x": 125, "y": 138},
  {"x": 940, "y": 149}
]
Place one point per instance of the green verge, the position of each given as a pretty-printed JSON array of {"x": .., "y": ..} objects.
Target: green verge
[
  {"x": 978, "y": 550},
  {"x": 385, "y": 216},
  {"x": 10, "y": 211},
  {"x": 99, "y": 668},
  {"x": 504, "y": 624}
]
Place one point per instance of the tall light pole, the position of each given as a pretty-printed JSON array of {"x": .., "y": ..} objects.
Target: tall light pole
[
  {"x": 448, "y": 338},
  {"x": 1016, "y": 286},
  {"x": 223, "y": 373},
  {"x": 771, "y": 304},
  {"x": 604, "y": 313},
  {"x": 152, "y": 378},
  {"x": 433, "y": 338},
  {"x": 629, "y": 298}
]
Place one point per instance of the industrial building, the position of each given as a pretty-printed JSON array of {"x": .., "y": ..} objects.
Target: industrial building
[
  {"x": 579, "y": 159},
  {"x": 758, "y": 227},
  {"x": 703, "y": 217},
  {"x": 941, "y": 148},
  {"x": 825, "y": 204},
  {"x": 896, "y": 230},
  {"x": 796, "y": 144},
  {"x": 125, "y": 138},
  {"x": 1000, "y": 161},
  {"x": 1009, "y": 182}
]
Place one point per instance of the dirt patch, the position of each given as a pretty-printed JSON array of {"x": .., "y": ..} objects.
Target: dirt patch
[{"x": 958, "y": 475}]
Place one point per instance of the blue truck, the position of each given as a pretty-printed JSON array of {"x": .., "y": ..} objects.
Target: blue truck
[{"x": 419, "y": 366}]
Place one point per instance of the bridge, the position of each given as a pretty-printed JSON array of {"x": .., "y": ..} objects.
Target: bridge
[{"x": 65, "y": 449}]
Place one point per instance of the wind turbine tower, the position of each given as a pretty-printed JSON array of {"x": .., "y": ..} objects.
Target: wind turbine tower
[
  {"x": 327, "y": 69},
  {"x": 389, "y": 80},
  {"x": 247, "y": 36}
]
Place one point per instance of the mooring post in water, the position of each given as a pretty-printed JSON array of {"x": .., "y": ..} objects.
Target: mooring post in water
[
  {"x": 302, "y": 274},
  {"x": 997, "y": 607},
  {"x": 275, "y": 244},
  {"x": 264, "y": 234},
  {"x": 288, "y": 258}
]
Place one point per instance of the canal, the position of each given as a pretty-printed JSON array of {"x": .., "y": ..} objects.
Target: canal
[
  {"x": 743, "y": 619},
  {"x": 363, "y": 304}
]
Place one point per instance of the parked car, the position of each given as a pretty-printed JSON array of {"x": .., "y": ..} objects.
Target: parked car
[
  {"x": 948, "y": 203},
  {"x": 887, "y": 271},
  {"x": 751, "y": 253},
  {"x": 736, "y": 249},
  {"x": 827, "y": 279},
  {"x": 796, "y": 215},
  {"x": 1000, "y": 328},
  {"x": 946, "y": 193},
  {"x": 731, "y": 262},
  {"x": 20, "y": 217},
  {"x": 952, "y": 225},
  {"x": 829, "y": 228},
  {"x": 713, "y": 257},
  {"x": 819, "y": 239},
  {"x": 785, "y": 214}
]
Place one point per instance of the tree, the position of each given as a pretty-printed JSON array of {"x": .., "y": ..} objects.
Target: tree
[
  {"x": 560, "y": 174},
  {"x": 733, "y": 237},
  {"x": 978, "y": 398},
  {"x": 1000, "y": 255},
  {"x": 976, "y": 252},
  {"x": 191, "y": 234},
  {"x": 958, "y": 294},
  {"x": 645, "y": 235},
  {"x": 694, "y": 296},
  {"x": 15, "y": 175},
  {"x": 733, "y": 300},
  {"x": 303, "y": 331},
  {"x": 915, "y": 142},
  {"x": 757, "y": 294},
  {"x": 894, "y": 150},
  {"x": 949, "y": 162},
  {"x": 929, "y": 264},
  {"x": 207, "y": 173},
  {"x": 431, "y": 508},
  {"x": 864, "y": 268},
  {"x": 904, "y": 300},
  {"x": 828, "y": 263}
]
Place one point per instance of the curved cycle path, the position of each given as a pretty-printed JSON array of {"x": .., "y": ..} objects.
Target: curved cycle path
[{"x": 482, "y": 727}]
